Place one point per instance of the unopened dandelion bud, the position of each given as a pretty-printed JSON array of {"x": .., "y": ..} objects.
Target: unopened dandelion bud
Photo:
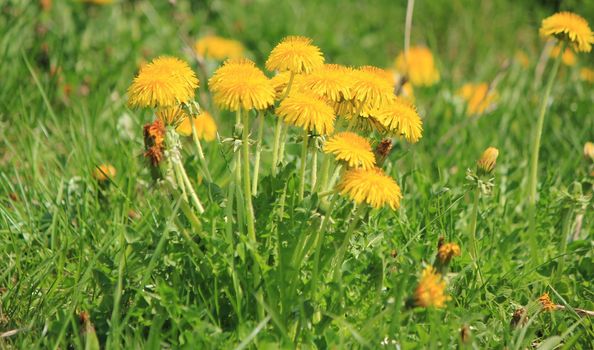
[
  {"x": 104, "y": 172},
  {"x": 447, "y": 251},
  {"x": 487, "y": 162}
]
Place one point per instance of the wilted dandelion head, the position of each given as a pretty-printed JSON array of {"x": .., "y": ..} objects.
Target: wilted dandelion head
[
  {"x": 204, "y": 124},
  {"x": 546, "y": 302},
  {"x": 447, "y": 251},
  {"x": 218, "y": 48},
  {"x": 371, "y": 88},
  {"x": 331, "y": 81},
  {"x": 569, "y": 27},
  {"x": 401, "y": 118},
  {"x": 587, "y": 74},
  {"x": 171, "y": 115},
  {"x": 479, "y": 97},
  {"x": 352, "y": 149},
  {"x": 295, "y": 54},
  {"x": 104, "y": 172},
  {"x": 589, "y": 151},
  {"x": 371, "y": 186},
  {"x": 164, "y": 82},
  {"x": 568, "y": 57},
  {"x": 307, "y": 111},
  {"x": 431, "y": 289},
  {"x": 488, "y": 159},
  {"x": 154, "y": 137},
  {"x": 418, "y": 65},
  {"x": 240, "y": 84}
]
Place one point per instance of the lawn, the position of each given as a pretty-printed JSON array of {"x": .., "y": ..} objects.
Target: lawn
[{"x": 121, "y": 228}]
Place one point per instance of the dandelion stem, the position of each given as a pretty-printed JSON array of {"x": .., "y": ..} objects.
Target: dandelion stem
[
  {"x": 314, "y": 169},
  {"x": 199, "y": 150},
  {"x": 303, "y": 164},
  {"x": 190, "y": 188},
  {"x": 275, "y": 146},
  {"x": 320, "y": 242},
  {"x": 258, "y": 152},
  {"x": 408, "y": 26},
  {"x": 345, "y": 243},
  {"x": 321, "y": 185},
  {"x": 473, "y": 225},
  {"x": 283, "y": 142}
]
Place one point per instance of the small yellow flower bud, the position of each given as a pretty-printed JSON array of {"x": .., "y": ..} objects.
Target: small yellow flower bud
[
  {"x": 488, "y": 160},
  {"x": 589, "y": 150},
  {"x": 104, "y": 172}
]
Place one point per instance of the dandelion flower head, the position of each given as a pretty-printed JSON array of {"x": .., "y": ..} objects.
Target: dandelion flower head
[
  {"x": 371, "y": 186},
  {"x": 352, "y": 149},
  {"x": 296, "y": 54}
]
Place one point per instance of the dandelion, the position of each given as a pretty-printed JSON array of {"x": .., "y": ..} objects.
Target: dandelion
[
  {"x": 418, "y": 65},
  {"x": 331, "y": 81},
  {"x": 479, "y": 98},
  {"x": 589, "y": 151},
  {"x": 154, "y": 137},
  {"x": 371, "y": 186},
  {"x": 546, "y": 303},
  {"x": 488, "y": 159},
  {"x": 307, "y": 111},
  {"x": 240, "y": 84},
  {"x": 164, "y": 82},
  {"x": 400, "y": 117},
  {"x": 204, "y": 124},
  {"x": 218, "y": 48},
  {"x": 447, "y": 251},
  {"x": 295, "y": 54},
  {"x": 104, "y": 172},
  {"x": 587, "y": 74},
  {"x": 280, "y": 83},
  {"x": 567, "y": 26},
  {"x": 371, "y": 89},
  {"x": 431, "y": 289},
  {"x": 568, "y": 57},
  {"x": 352, "y": 149}
]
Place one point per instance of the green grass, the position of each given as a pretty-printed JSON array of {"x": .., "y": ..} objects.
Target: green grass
[{"x": 154, "y": 279}]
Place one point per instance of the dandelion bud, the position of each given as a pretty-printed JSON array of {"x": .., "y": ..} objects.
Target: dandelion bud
[
  {"x": 487, "y": 162},
  {"x": 589, "y": 151},
  {"x": 447, "y": 251},
  {"x": 104, "y": 172},
  {"x": 546, "y": 302}
]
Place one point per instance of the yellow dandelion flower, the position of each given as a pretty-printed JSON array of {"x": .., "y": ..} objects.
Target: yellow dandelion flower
[
  {"x": 431, "y": 289},
  {"x": 307, "y": 111},
  {"x": 371, "y": 88},
  {"x": 280, "y": 83},
  {"x": 218, "y": 48},
  {"x": 570, "y": 27},
  {"x": 104, "y": 172},
  {"x": 352, "y": 149},
  {"x": 447, "y": 251},
  {"x": 240, "y": 84},
  {"x": 587, "y": 74},
  {"x": 401, "y": 118},
  {"x": 488, "y": 159},
  {"x": 332, "y": 81},
  {"x": 546, "y": 302},
  {"x": 171, "y": 115},
  {"x": 418, "y": 65},
  {"x": 371, "y": 186},
  {"x": 479, "y": 98},
  {"x": 164, "y": 82},
  {"x": 204, "y": 124},
  {"x": 568, "y": 57},
  {"x": 295, "y": 54},
  {"x": 589, "y": 150}
]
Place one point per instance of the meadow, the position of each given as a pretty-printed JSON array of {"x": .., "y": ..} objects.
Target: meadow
[{"x": 259, "y": 174}]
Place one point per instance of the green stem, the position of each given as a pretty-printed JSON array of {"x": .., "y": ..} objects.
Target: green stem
[
  {"x": 472, "y": 231},
  {"x": 566, "y": 233},
  {"x": 314, "y": 169},
  {"x": 320, "y": 242},
  {"x": 345, "y": 243},
  {"x": 321, "y": 185},
  {"x": 190, "y": 188},
  {"x": 200, "y": 151},
  {"x": 303, "y": 164},
  {"x": 258, "y": 153},
  {"x": 283, "y": 142},
  {"x": 276, "y": 144}
]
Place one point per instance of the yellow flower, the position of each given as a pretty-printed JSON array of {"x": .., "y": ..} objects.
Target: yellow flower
[
  {"x": 205, "y": 126},
  {"x": 371, "y": 89},
  {"x": 240, "y": 84},
  {"x": 431, "y": 289},
  {"x": 447, "y": 251},
  {"x": 478, "y": 97},
  {"x": 98, "y": 2},
  {"x": 587, "y": 74},
  {"x": 488, "y": 160},
  {"x": 401, "y": 118},
  {"x": 218, "y": 48},
  {"x": 351, "y": 148},
  {"x": 568, "y": 57},
  {"x": 295, "y": 54},
  {"x": 332, "y": 81},
  {"x": 280, "y": 83},
  {"x": 165, "y": 82},
  {"x": 371, "y": 186},
  {"x": 589, "y": 150},
  {"x": 171, "y": 115},
  {"x": 307, "y": 111},
  {"x": 546, "y": 302},
  {"x": 570, "y": 27},
  {"x": 418, "y": 65},
  {"x": 104, "y": 172}
]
